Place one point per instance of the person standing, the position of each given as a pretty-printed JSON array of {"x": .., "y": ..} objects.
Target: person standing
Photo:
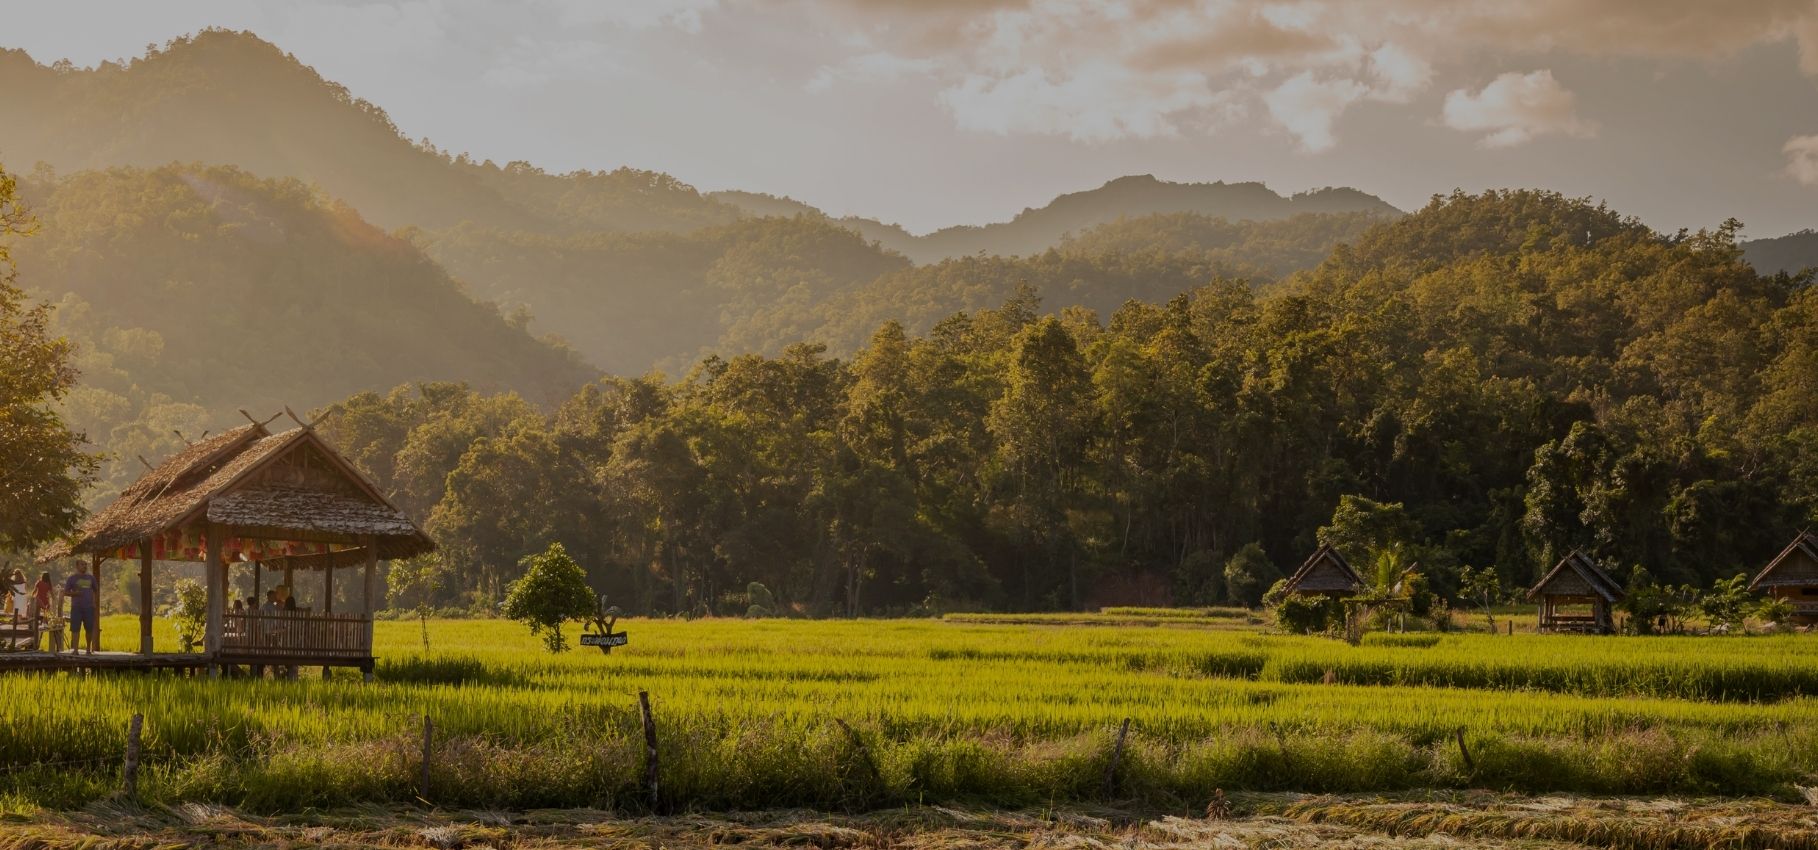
[
  {"x": 41, "y": 606},
  {"x": 84, "y": 612}
]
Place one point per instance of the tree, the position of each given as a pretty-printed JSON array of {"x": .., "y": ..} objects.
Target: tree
[
  {"x": 43, "y": 465},
  {"x": 1248, "y": 575},
  {"x": 1727, "y": 603},
  {"x": 1482, "y": 588},
  {"x": 553, "y": 591},
  {"x": 417, "y": 580},
  {"x": 189, "y": 613}
]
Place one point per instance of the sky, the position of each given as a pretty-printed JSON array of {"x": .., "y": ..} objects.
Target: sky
[{"x": 931, "y": 113}]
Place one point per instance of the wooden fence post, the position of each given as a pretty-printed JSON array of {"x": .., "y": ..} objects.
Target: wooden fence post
[
  {"x": 1117, "y": 755},
  {"x": 428, "y": 740},
  {"x": 650, "y": 748},
  {"x": 1465, "y": 752},
  {"x": 130, "y": 771}
]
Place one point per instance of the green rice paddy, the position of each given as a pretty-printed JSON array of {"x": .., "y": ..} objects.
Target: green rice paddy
[{"x": 859, "y": 714}]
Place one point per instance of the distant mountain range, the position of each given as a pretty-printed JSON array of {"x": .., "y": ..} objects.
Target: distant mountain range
[
  {"x": 634, "y": 268},
  {"x": 1036, "y": 230},
  {"x": 1791, "y": 253}
]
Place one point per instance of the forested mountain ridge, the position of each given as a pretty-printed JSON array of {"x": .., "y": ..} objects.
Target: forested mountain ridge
[
  {"x": 627, "y": 301},
  {"x": 1492, "y": 380},
  {"x": 230, "y": 98},
  {"x": 1793, "y": 252},
  {"x": 194, "y": 291},
  {"x": 1035, "y": 230}
]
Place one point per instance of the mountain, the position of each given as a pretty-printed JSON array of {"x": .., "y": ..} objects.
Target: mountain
[
  {"x": 1792, "y": 253},
  {"x": 635, "y": 268},
  {"x": 230, "y": 98},
  {"x": 194, "y": 291},
  {"x": 1035, "y": 230}
]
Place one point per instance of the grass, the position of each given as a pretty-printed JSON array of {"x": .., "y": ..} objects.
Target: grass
[{"x": 749, "y": 715}]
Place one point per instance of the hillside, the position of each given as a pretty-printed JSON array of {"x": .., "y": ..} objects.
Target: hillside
[
  {"x": 231, "y": 98},
  {"x": 1792, "y": 253},
  {"x": 627, "y": 301},
  {"x": 195, "y": 291},
  {"x": 1035, "y": 230}
]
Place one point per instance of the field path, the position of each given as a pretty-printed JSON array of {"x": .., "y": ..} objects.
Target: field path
[{"x": 1274, "y": 821}]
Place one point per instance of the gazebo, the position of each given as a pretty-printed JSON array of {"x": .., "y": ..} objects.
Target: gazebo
[
  {"x": 1577, "y": 581},
  {"x": 1325, "y": 573},
  {"x": 1793, "y": 576},
  {"x": 267, "y": 502}
]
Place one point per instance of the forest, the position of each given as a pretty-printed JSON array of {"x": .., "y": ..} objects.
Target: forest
[{"x": 1490, "y": 381}]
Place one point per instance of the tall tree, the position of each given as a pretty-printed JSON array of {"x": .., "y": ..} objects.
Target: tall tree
[{"x": 43, "y": 464}]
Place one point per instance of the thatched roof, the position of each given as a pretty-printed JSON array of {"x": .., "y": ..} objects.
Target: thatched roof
[
  {"x": 1577, "y": 575},
  {"x": 1325, "y": 571},
  {"x": 268, "y": 487},
  {"x": 1795, "y": 566}
]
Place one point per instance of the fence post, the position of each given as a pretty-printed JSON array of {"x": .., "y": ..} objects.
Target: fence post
[
  {"x": 650, "y": 748},
  {"x": 428, "y": 740},
  {"x": 1117, "y": 755},
  {"x": 130, "y": 771},
  {"x": 1465, "y": 752}
]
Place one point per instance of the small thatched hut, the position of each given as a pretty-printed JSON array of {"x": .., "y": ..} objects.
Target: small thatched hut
[
  {"x": 1325, "y": 573},
  {"x": 1577, "y": 596},
  {"x": 1793, "y": 576},
  {"x": 263, "y": 501}
]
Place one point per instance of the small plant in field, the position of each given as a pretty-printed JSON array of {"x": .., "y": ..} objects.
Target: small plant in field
[
  {"x": 553, "y": 591},
  {"x": 1775, "y": 610},
  {"x": 189, "y": 614},
  {"x": 1305, "y": 615},
  {"x": 761, "y": 602},
  {"x": 1482, "y": 588},
  {"x": 1656, "y": 608}
]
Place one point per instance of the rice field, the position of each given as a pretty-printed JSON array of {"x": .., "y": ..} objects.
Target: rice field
[{"x": 862, "y": 714}]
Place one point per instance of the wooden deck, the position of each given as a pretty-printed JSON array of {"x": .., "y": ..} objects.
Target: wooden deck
[{"x": 46, "y": 661}]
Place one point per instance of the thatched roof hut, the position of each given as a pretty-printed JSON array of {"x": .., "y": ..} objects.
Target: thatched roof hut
[
  {"x": 276, "y": 501},
  {"x": 1577, "y": 581},
  {"x": 1325, "y": 573},
  {"x": 1793, "y": 576}
]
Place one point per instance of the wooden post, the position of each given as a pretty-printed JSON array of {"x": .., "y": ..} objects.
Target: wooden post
[
  {"x": 1117, "y": 755},
  {"x": 145, "y": 597},
  {"x": 650, "y": 748},
  {"x": 428, "y": 740},
  {"x": 1465, "y": 752},
  {"x": 328, "y": 587},
  {"x": 130, "y": 770},
  {"x": 94, "y": 634},
  {"x": 372, "y": 584},
  {"x": 216, "y": 573},
  {"x": 258, "y": 597}
]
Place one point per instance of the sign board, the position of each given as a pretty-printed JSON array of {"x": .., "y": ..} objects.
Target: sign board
[{"x": 619, "y": 639}]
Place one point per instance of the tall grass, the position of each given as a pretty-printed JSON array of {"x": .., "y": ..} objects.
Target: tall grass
[{"x": 749, "y": 712}]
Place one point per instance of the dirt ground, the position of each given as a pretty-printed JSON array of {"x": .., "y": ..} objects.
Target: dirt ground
[{"x": 1275, "y": 821}]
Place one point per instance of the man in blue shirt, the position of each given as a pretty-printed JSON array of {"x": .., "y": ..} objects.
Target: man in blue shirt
[{"x": 83, "y": 591}]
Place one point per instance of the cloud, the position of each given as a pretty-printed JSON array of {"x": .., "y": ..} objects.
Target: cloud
[
  {"x": 1802, "y": 159},
  {"x": 873, "y": 67},
  {"x": 1180, "y": 63},
  {"x": 1097, "y": 102},
  {"x": 1514, "y": 108},
  {"x": 1307, "y": 107}
]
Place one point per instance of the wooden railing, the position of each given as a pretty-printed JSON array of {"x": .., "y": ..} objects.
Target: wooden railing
[{"x": 296, "y": 634}]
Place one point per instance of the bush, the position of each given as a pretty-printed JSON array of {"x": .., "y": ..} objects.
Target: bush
[
  {"x": 1305, "y": 615},
  {"x": 1248, "y": 576}
]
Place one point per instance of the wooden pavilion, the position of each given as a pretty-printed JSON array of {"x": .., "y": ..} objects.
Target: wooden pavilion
[
  {"x": 252, "y": 499},
  {"x": 1793, "y": 576},
  {"x": 1577, "y": 596},
  {"x": 1325, "y": 573}
]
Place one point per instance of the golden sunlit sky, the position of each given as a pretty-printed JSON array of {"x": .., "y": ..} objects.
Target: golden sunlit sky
[{"x": 938, "y": 112}]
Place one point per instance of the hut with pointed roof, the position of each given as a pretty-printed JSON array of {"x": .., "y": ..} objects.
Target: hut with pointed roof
[
  {"x": 1577, "y": 596},
  {"x": 1793, "y": 576},
  {"x": 252, "y": 499},
  {"x": 1325, "y": 573}
]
